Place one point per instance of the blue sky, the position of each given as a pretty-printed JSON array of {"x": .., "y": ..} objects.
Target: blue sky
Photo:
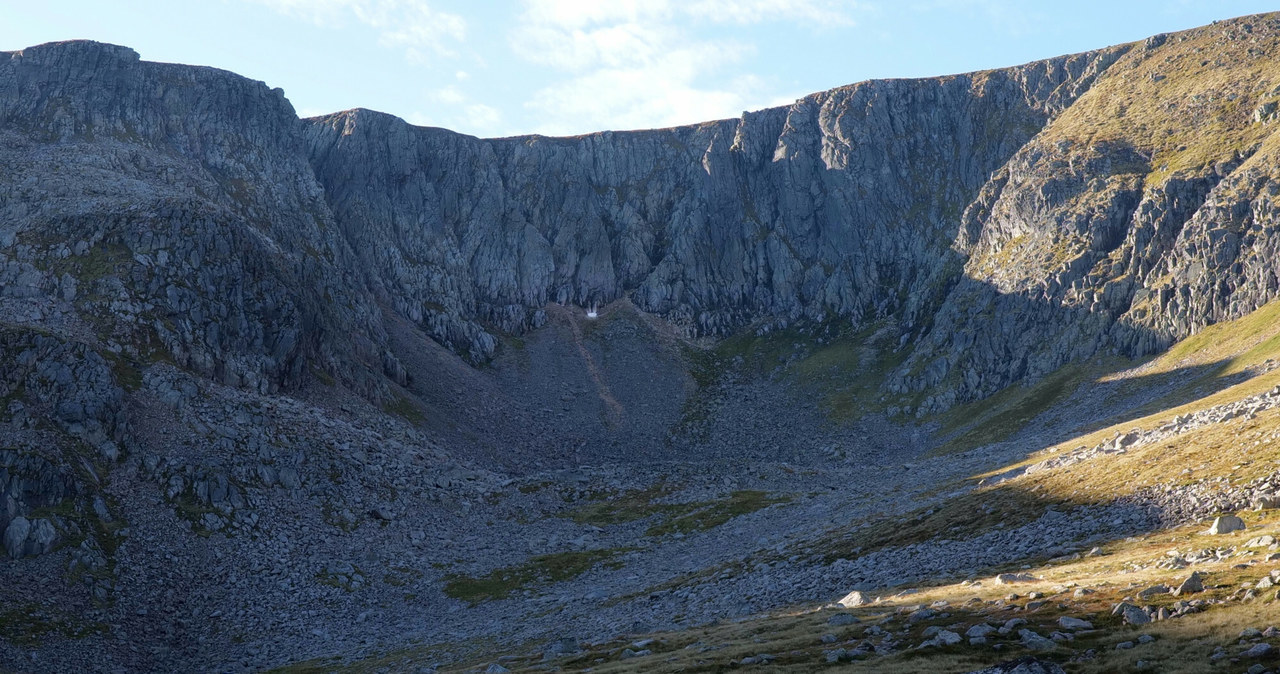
[{"x": 574, "y": 66}]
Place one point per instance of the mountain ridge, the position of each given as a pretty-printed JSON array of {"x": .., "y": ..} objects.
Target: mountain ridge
[{"x": 330, "y": 386}]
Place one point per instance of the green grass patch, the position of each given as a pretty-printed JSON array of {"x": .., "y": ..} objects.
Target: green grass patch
[
  {"x": 626, "y": 507},
  {"x": 400, "y": 576},
  {"x": 997, "y": 417},
  {"x": 127, "y": 371},
  {"x": 699, "y": 516},
  {"x": 959, "y": 518},
  {"x": 349, "y": 582},
  {"x": 128, "y": 368},
  {"x": 1227, "y": 339},
  {"x": 512, "y": 342},
  {"x": 535, "y": 487},
  {"x": 323, "y": 377},
  {"x": 30, "y": 624},
  {"x": 316, "y": 666},
  {"x": 1211, "y": 360},
  {"x": 542, "y": 569},
  {"x": 405, "y": 409},
  {"x": 687, "y": 517},
  {"x": 101, "y": 261},
  {"x": 850, "y": 371},
  {"x": 188, "y": 508},
  {"x": 843, "y": 366},
  {"x": 18, "y": 392},
  {"x": 1186, "y": 104}
]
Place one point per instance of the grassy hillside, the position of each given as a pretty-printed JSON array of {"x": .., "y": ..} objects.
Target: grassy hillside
[{"x": 1230, "y": 362}]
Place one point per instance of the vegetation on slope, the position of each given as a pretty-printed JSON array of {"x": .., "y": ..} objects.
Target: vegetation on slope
[
  {"x": 671, "y": 517},
  {"x": 550, "y": 568}
]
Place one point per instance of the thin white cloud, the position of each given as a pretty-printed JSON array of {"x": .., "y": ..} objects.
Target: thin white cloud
[
  {"x": 419, "y": 118},
  {"x": 1013, "y": 18},
  {"x": 449, "y": 95},
  {"x": 823, "y": 13},
  {"x": 642, "y": 63},
  {"x": 304, "y": 113},
  {"x": 413, "y": 26},
  {"x": 457, "y": 110},
  {"x": 482, "y": 117}
]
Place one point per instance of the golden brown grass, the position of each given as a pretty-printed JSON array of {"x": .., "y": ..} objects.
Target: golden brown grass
[
  {"x": 1222, "y": 350},
  {"x": 793, "y": 637},
  {"x": 1187, "y": 103},
  {"x": 1240, "y": 449}
]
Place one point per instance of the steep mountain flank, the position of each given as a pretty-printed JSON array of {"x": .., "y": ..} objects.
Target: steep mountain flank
[
  {"x": 1003, "y": 222},
  {"x": 164, "y": 211},
  {"x": 1141, "y": 214},
  {"x": 276, "y": 389},
  {"x": 841, "y": 206}
]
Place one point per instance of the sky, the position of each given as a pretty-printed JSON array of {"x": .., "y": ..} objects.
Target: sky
[{"x": 564, "y": 67}]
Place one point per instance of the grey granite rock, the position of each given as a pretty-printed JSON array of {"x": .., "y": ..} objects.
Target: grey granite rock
[
  {"x": 15, "y": 537},
  {"x": 235, "y": 330},
  {"x": 255, "y": 248}
]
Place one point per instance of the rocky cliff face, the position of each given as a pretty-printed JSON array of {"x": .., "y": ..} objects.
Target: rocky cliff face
[
  {"x": 1004, "y": 222},
  {"x": 169, "y": 212},
  {"x": 842, "y": 206},
  {"x": 1144, "y": 212},
  {"x": 239, "y": 351}
]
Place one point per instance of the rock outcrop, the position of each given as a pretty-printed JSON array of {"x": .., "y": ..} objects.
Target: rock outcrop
[
  {"x": 165, "y": 211},
  {"x": 1003, "y": 223},
  {"x": 843, "y": 206},
  {"x": 274, "y": 388}
]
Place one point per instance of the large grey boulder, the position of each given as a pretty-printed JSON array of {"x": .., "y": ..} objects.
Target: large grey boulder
[
  {"x": 560, "y": 648},
  {"x": 1035, "y": 641},
  {"x": 943, "y": 638},
  {"x": 1260, "y": 651},
  {"x": 42, "y": 538},
  {"x": 29, "y": 538},
  {"x": 853, "y": 600},
  {"x": 979, "y": 630},
  {"x": 1266, "y": 502},
  {"x": 1067, "y": 622},
  {"x": 15, "y": 537},
  {"x": 1194, "y": 583},
  {"x": 1225, "y": 525},
  {"x": 1132, "y": 615},
  {"x": 1155, "y": 591}
]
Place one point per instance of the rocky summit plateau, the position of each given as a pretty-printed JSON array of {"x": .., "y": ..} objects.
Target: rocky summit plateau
[{"x": 968, "y": 373}]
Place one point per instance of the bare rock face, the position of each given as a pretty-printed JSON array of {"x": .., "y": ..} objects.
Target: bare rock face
[
  {"x": 1109, "y": 230},
  {"x": 1005, "y": 223},
  {"x": 1001, "y": 223},
  {"x": 992, "y": 227},
  {"x": 240, "y": 352},
  {"x": 841, "y": 206},
  {"x": 24, "y": 538},
  {"x": 166, "y": 212}
]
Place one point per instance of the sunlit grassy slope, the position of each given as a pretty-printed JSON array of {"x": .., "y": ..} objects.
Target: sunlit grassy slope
[
  {"x": 1117, "y": 572},
  {"x": 1238, "y": 450},
  {"x": 1211, "y": 368},
  {"x": 1173, "y": 108}
]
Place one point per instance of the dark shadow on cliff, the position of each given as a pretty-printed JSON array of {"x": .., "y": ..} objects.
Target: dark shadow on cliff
[
  {"x": 1004, "y": 508},
  {"x": 626, "y": 387},
  {"x": 1084, "y": 397},
  {"x": 1079, "y": 399}
]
